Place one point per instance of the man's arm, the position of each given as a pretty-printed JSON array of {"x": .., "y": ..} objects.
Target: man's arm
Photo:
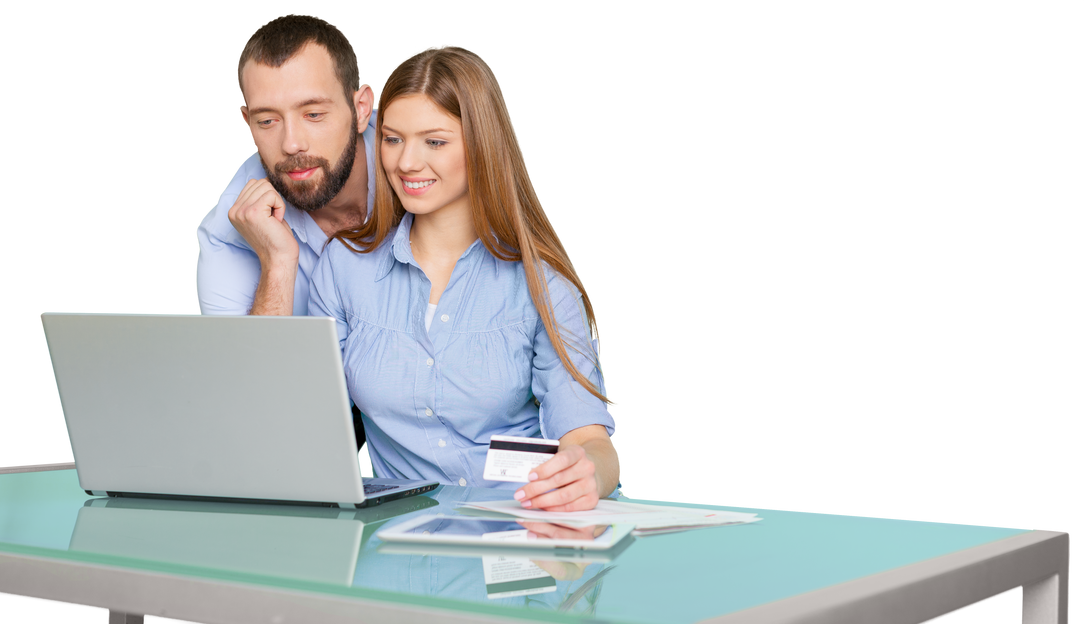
[
  {"x": 275, "y": 290},
  {"x": 258, "y": 215}
]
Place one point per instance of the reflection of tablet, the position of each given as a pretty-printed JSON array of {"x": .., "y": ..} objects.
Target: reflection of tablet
[
  {"x": 565, "y": 555},
  {"x": 438, "y": 529}
]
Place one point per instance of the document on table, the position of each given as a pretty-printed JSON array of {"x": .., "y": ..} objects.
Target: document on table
[{"x": 649, "y": 519}]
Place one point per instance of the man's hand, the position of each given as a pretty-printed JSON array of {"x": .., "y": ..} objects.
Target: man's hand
[
  {"x": 571, "y": 477},
  {"x": 258, "y": 215}
]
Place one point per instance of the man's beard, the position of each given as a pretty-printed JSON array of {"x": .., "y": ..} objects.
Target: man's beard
[{"x": 310, "y": 195}]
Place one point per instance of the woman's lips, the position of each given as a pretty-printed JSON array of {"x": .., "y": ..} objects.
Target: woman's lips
[
  {"x": 424, "y": 184},
  {"x": 303, "y": 174}
]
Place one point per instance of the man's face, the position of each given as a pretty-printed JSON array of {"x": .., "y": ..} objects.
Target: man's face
[{"x": 302, "y": 123}]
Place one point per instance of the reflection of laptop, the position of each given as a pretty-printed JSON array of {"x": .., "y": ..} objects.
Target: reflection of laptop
[
  {"x": 246, "y": 408},
  {"x": 307, "y": 543}
]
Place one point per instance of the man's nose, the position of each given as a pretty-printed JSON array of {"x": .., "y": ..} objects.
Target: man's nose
[{"x": 293, "y": 137}]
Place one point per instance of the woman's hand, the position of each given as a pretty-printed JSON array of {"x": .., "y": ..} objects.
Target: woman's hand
[
  {"x": 550, "y": 530},
  {"x": 564, "y": 483}
]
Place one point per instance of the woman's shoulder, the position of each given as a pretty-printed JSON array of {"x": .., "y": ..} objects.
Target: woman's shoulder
[{"x": 341, "y": 251}]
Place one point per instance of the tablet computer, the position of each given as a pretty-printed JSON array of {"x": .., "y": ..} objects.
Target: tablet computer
[{"x": 465, "y": 530}]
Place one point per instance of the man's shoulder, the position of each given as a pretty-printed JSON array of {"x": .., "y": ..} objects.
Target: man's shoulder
[{"x": 217, "y": 222}]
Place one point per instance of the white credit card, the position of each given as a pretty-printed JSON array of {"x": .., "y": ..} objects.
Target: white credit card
[{"x": 511, "y": 458}]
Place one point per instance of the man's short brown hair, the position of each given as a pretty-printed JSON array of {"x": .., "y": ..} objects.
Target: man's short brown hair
[{"x": 280, "y": 39}]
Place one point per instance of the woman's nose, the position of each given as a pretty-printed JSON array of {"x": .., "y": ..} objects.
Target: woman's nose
[{"x": 409, "y": 159}]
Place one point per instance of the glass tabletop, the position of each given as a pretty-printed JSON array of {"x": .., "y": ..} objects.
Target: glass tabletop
[{"x": 677, "y": 577}]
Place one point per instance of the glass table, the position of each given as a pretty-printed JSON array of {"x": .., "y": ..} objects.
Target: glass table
[{"x": 820, "y": 555}]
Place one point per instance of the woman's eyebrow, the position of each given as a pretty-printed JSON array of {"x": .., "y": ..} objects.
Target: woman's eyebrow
[{"x": 387, "y": 128}]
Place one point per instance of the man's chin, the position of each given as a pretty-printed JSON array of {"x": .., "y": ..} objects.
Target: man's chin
[{"x": 301, "y": 193}]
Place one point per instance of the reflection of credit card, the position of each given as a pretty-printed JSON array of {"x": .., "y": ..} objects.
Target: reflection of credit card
[{"x": 512, "y": 459}]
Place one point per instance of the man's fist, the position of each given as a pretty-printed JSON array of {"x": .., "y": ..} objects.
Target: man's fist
[{"x": 258, "y": 215}]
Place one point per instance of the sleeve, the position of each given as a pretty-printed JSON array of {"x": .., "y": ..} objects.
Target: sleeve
[
  {"x": 564, "y": 403},
  {"x": 228, "y": 270},
  {"x": 324, "y": 296}
]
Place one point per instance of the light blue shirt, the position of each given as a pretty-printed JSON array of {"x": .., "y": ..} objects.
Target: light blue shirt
[
  {"x": 431, "y": 400},
  {"x": 229, "y": 270}
]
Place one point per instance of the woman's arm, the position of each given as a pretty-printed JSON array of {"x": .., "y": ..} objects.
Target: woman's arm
[{"x": 584, "y": 470}]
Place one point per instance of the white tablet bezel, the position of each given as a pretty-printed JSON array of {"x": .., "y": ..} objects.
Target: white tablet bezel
[{"x": 401, "y": 533}]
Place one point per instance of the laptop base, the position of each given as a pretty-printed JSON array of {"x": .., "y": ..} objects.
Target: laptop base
[{"x": 368, "y": 502}]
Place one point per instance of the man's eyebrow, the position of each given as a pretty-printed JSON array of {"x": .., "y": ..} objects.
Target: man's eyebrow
[
  {"x": 387, "y": 128},
  {"x": 308, "y": 102}
]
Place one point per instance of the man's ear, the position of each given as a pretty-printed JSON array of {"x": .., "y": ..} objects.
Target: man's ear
[
  {"x": 363, "y": 104},
  {"x": 244, "y": 114}
]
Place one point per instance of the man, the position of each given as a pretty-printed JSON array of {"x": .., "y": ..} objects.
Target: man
[{"x": 314, "y": 129}]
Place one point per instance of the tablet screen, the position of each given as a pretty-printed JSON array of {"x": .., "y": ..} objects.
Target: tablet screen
[
  {"x": 484, "y": 531},
  {"x": 472, "y": 526}
]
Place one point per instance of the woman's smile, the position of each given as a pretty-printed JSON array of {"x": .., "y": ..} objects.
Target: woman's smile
[{"x": 416, "y": 186}]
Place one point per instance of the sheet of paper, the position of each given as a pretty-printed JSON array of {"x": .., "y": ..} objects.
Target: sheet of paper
[{"x": 645, "y": 517}]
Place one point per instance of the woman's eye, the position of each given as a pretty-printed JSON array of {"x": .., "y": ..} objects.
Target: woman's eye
[
  {"x": 392, "y": 140},
  {"x": 436, "y": 142}
]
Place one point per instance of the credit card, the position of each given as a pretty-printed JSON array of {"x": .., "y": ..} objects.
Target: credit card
[{"x": 511, "y": 458}]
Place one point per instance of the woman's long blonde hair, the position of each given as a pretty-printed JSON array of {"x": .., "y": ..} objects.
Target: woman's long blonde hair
[{"x": 507, "y": 215}]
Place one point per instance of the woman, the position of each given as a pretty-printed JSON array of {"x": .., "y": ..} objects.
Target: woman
[{"x": 459, "y": 313}]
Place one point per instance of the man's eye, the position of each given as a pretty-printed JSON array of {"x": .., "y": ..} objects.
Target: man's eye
[
  {"x": 314, "y": 115},
  {"x": 264, "y": 122}
]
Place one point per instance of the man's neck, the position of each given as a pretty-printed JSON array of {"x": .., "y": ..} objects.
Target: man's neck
[{"x": 347, "y": 210}]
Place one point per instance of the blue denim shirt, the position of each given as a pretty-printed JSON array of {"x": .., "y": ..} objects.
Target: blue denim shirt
[
  {"x": 432, "y": 399},
  {"x": 229, "y": 270}
]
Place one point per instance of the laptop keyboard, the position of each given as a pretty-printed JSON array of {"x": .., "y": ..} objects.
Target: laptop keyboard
[{"x": 371, "y": 488}]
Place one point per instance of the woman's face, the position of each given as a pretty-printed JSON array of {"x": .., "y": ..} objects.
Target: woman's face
[{"x": 424, "y": 156}]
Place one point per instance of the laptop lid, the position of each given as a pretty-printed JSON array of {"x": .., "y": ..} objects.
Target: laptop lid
[{"x": 226, "y": 406}]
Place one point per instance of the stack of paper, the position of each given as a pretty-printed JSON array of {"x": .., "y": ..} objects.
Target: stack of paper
[{"x": 649, "y": 519}]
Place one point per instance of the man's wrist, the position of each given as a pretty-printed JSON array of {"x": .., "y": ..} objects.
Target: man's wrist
[
  {"x": 275, "y": 292},
  {"x": 278, "y": 269}
]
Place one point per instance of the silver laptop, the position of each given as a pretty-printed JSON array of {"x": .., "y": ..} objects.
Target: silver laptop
[{"x": 239, "y": 408}]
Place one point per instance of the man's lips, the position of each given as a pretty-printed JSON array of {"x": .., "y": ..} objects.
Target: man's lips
[{"x": 302, "y": 174}]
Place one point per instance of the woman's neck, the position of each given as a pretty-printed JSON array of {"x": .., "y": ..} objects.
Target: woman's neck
[{"x": 442, "y": 236}]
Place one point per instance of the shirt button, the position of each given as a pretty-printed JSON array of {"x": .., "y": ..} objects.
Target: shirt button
[
  {"x": 428, "y": 412},
  {"x": 429, "y": 362},
  {"x": 442, "y": 443},
  {"x": 462, "y": 481},
  {"x": 444, "y": 318}
]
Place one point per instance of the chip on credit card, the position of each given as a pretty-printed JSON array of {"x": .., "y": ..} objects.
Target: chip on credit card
[{"x": 512, "y": 458}]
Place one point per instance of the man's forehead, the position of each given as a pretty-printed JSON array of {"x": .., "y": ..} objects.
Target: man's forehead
[{"x": 307, "y": 75}]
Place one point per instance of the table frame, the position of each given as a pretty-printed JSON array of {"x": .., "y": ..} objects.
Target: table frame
[{"x": 1038, "y": 561}]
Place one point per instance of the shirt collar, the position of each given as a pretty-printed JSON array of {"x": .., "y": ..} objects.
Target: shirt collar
[
  {"x": 369, "y": 138},
  {"x": 400, "y": 251}
]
